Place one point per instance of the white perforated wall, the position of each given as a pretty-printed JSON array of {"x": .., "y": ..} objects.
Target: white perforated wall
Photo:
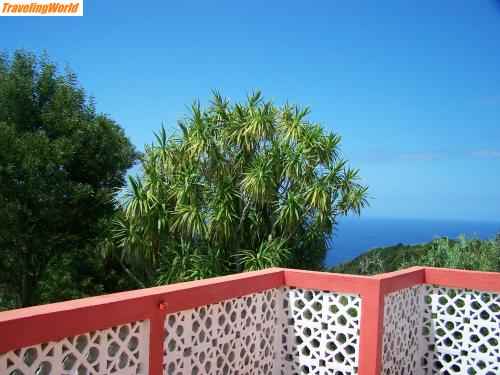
[
  {"x": 427, "y": 330},
  {"x": 400, "y": 344},
  {"x": 461, "y": 331},
  {"x": 458, "y": 331},
  {"x": 320, "y": 332},
  {"x": 231, "y": 337},
  {"x": 280, "y": 331},
  {"x": 118, "y": 350}
]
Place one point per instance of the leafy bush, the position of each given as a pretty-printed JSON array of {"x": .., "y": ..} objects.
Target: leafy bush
[{"x": 461, "y": 253}]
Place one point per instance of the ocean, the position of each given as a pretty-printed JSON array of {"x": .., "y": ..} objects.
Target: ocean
[{"x": 356, "y": 235}]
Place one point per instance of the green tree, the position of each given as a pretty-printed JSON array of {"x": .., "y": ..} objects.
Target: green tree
[
  {"x": 59, "y": 163},
  {"x": 240, "y": 187}
]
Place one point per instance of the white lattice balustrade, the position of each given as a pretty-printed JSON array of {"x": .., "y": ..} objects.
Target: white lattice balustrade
[
  {"x": 440, "y": 330},
  {"x": 320, "y": 332},
  {"x": 118, "y": 350},
  {"x": 285, "y": 330},
  {"x": 234, "y": 336},
  {"x": 400, "y": 345},
  {"x": 460, "y": 331},
  {"x": 278, "y": 331}
]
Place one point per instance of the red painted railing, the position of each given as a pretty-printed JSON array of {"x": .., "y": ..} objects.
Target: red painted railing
[{"x": 34, "y": 325}]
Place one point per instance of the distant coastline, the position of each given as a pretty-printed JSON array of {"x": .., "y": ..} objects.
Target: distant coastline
[{"x": 356, "y": 235}]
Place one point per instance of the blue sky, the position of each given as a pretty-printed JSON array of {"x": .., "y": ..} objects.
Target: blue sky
[{"x": 413, "y": 87}]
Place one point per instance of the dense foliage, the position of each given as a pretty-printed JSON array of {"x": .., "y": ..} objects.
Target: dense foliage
[
  {"x": 238, "y": 187},
  {"x": 461, "y": 253},
  {"x": 59, "y": 163},
  {"x": 241, "y": 186}
]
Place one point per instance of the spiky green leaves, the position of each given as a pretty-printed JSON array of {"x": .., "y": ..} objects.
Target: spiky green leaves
[
  {"x": 291, "y": 211},
  {"x": 271, "y": 253},
  {"x": 261, "y": 183},
  {"x": 260, "y": 180},
  {"x": 223, "y": 219}
]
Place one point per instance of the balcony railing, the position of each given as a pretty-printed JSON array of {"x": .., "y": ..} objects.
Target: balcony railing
[{"x": 277, "y": 321}]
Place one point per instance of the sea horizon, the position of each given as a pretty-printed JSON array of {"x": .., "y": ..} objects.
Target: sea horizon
[{"x": 356, "y": 235}]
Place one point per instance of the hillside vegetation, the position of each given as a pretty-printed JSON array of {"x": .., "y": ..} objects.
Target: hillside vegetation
[{"x": 461, "y": 253}]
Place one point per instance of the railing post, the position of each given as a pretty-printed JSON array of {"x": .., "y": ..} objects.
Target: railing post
[
  {"x": 372, "y": 314},
  {"x": 371, "y": 329},
  {"x": 156, "y": 329}
]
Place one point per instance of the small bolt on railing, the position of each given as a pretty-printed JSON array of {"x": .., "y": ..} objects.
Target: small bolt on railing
[{"x": 277, "y": 321}]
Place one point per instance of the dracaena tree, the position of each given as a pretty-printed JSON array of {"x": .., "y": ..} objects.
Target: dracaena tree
[{"x": 238, "y": 187}]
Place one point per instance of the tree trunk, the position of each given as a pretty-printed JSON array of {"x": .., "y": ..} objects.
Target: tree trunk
[
  {"x": 239, "y": 266},
  {"x": 131, "y": 275}
]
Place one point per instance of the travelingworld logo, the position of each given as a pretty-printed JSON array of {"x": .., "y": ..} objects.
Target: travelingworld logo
[{"x": 41, "y": 8}]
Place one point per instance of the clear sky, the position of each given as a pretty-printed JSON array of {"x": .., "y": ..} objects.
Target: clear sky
[{"x": 413, "y": 87}]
